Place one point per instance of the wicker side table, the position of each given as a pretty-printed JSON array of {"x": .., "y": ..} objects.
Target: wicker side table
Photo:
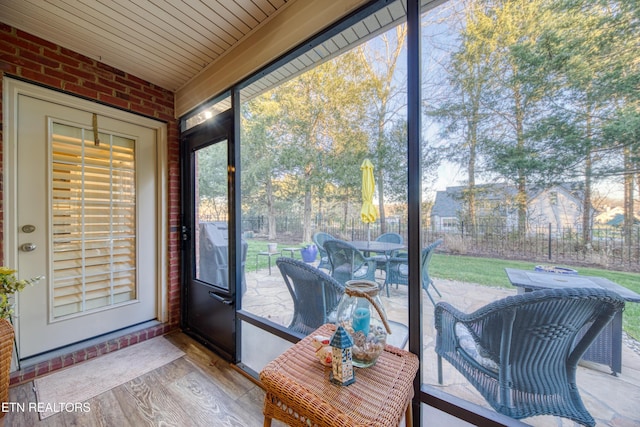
[{"x": 299, "y": 392}]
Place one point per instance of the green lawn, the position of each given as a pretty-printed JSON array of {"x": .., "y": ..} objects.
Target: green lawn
[{"x": 490, "y": 272}]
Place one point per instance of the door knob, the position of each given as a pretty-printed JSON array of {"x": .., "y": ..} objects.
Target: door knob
[{"x": 28, "y": 247}]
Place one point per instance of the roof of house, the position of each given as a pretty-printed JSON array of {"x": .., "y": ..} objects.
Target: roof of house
[{"x": 448, "y": 203}]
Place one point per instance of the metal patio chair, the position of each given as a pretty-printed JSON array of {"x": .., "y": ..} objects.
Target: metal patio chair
[
  {"x": 521, "y": 352},
  {"x": 381, "y": 260},
  {"x": 398, "y": 270},
  {"x": 348, "y": 263},
  {"x": 315, "y": 294},
  {"x": 319, "y": 238}
]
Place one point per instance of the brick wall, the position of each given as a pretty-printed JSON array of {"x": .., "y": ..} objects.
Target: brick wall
[{"x": 34, "y": 59}]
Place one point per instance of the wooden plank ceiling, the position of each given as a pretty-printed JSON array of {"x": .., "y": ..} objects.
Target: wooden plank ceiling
[
  {"x": 168, "y": 42},
  {"x": 165, "y": 42}
]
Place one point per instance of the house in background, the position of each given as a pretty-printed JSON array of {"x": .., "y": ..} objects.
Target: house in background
[
  {"x": 559, "y": 205},
  {"x": 607, "y": 214}
]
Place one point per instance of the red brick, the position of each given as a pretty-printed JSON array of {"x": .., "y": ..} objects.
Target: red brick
[
  {"x": 26, "y": 46},
  {"x": 21, "y": 62},
  {"x": 129, "y": 82},
  {"x": 7, "y": 67},
  {"x": 6, "y": 28},
  {"x": 141, "y": 94},
  {"x": 29, "y": 374},
  {"x": 80, "y": 90},
  {"x": 122, "y": 95},
  {"x": 113, "y": 100},
  {"x": 158, "y": 93},
  {"x": 35, "y": 39},
  {"x": 63, "y": 59},
  {"x": 91, "y": 352},
  {"x": 67, "y": 360},
  {"x": 76, "y": 55},
  {"x": 144, "y": 110},
  {"x": 78, "y": 72},
  {"x": 40, "y": 59},
  {"x": 110, "y": 69},
  {"x": 97, "y": 87},
  {"x": 9, "y": 48},
  {"x": 60, "y": 75},
  {"x": 56, "y": 363},
  {"x": 112, "y": 84},
  {"x": 43, "y": 368},
  {"x": 40, "y": 78}
]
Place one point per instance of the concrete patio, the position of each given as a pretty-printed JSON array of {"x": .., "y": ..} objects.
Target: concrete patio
[{"x": 611, "y": 400}]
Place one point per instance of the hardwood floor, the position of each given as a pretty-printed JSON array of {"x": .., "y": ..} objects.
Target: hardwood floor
[{"x": 198, "y": 389}]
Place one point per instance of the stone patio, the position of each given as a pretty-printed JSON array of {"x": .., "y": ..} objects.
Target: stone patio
[{"x": 611, "y": 400}]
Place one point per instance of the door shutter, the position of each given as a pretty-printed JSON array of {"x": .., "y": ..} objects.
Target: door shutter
[{"x": 94, "y": 220}]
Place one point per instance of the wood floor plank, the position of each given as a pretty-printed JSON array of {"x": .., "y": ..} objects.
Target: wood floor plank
[
  {"x": 198, "y": 389},
  {"x": 154, "y": 402},
  {"x": 107, "y": 410},
  {"x": 203, "y": 397},
  {"x": 234, "y": 384},
  {"x": 22, "y": 394}
]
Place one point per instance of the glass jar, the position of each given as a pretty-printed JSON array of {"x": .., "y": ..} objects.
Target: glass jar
[{"x": 361, "y": 314}]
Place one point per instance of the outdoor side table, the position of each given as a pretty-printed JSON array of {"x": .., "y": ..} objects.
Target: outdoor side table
[
  {"x": 299, "y": 393},
  {"x": 292, "y": 252},
  {"x": 268, "y": 255}
]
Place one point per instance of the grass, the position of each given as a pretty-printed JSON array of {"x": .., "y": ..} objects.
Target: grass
[
  {"x": 256, "y": 246},
  {"x": 490, "y": 272},
  {"x": 485, "y": 271}
]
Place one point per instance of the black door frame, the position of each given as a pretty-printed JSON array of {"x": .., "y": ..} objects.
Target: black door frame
[{"x": 221, "y": 300}]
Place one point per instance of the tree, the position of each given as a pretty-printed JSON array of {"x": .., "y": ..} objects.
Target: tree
[
  {"x": 260, "y": 155},
  {"x": 584, "y": 65},
  {"x": 462, "y": 112},
  {"x": 314, "y": 122},
  {"x": 387, "y": 102}
]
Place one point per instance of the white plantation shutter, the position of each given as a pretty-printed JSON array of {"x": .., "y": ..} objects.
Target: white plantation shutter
[{"x": 94, "y": 220}]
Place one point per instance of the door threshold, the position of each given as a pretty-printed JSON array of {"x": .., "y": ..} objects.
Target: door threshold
[{"x": 86, "y": 344}]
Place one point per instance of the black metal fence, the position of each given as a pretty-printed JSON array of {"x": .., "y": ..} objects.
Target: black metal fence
[{"x": 608, "y": 247}]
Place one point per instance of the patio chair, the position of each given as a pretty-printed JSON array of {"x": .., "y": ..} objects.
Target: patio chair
[
  {"x": 381, "y": 260},
  {"x": 315, "y": 294},
  {"x": 521, "y": 352},
  {"x": 348, "y": 263},
  {"x": 398, "y": 272},
  {"x": 319, "y": 239}
]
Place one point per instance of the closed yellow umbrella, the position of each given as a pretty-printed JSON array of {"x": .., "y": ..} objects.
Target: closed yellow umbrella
[{"x": 368, "y": 213}]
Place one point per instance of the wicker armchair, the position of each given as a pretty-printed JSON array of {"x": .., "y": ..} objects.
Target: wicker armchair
[
  {"x": 319, "y": 239},
  {"x": 398, "y": 270},
  {"x": 521, "y": 352},
  {"x": 348, "y": 263},
  {"x": 315, "y": 294}
]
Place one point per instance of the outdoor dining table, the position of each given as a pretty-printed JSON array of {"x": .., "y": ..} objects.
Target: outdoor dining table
[
  {"x": 385, "y": 248},
  {"x": 607, "y": 347}
]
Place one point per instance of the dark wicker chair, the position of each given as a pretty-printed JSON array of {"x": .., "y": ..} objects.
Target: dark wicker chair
[
  {"x": 398, "y": 271},
  {"x": 315, "y": 294},
  {"x": 348, "y": 263},
  {"x": 521, "y": 352},
  {"x": 319, "y": 239},
  {"x": 381, "y": 260}
]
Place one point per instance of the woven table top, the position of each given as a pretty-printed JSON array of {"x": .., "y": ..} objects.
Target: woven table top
[{"x": 378, "y": 397}]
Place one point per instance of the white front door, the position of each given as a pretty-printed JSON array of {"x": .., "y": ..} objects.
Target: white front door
[{"x": 87, "y": 220}]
